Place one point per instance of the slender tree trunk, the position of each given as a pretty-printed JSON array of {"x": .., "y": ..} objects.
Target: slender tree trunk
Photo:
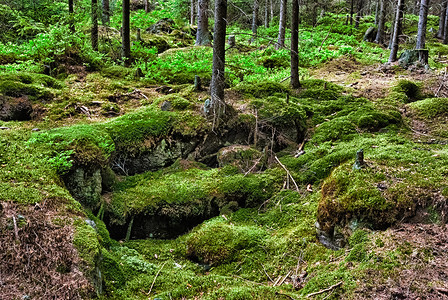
[
  {"x": 377, "y": 12},
  {"x": 94, "y": 32},
  {"x": 445, "y": 35},
  {"x": 126, "y": 34},
  {"x": 202, "y": 34},
  {"x": 441, "y": 32},
  {"x": 106, "y": 12},
  {"x": 219, "y": 42},
  {"x": 255, "y": 20},
  {"x": 271, "y": 2},
  {"x": 422, "y": 21},
  {"x": 146, "y": 6},
  {"x": 394, "y": 40},
  {"x": 192, "y": 12},
  {"x": 352, "y": 7},
  {"x": 71, "y": 15},
  {"x": 266, "y": 14},
  {"x": 359, "y": 12},
  {"x": 381, "y": 22},
  {"x": 295, "y": 83},
  {"x": 282, "y": 24}
]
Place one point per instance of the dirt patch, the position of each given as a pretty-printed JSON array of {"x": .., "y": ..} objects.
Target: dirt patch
[
  {"x": 422, "y": 273},
  {"x": 37, "y": 256}
]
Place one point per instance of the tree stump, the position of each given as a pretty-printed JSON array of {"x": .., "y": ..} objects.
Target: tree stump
[
  {"x": 197, "y": 83},
  {"x": 231, "y": 41},
  {"x": 359, "y": 163},
  {"x": 408, "y": 57}
]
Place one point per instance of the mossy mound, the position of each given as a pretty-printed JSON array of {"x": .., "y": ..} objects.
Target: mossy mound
[
  {"x": 410, "y": 89},
  {"x": 167, "y": 204},
  {"x": 262, "y": 89},
  {"x": 116, "y": 72},
  {"x": 337, "y": 129},
  {"x": 36, "y": 86},
  {"x": 431, "y": 108},
  {"x": 172, "y": 102},
  {"x": 317, "y": 89},
  {"x": 157, "y": 42},
  {"x": 216, "y": 241}
]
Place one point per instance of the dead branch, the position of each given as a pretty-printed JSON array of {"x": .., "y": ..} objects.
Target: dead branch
[
  {"x": 325, "y": 290},
  {"x": 154, "y": 281},
  {"x": 288, "y": 174},
  {"x": 16, "y": 231}
]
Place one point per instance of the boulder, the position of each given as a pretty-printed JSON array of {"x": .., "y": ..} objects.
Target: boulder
[
  {"x": 164, "y": 25},
  {"x": 370, "y": 34}
]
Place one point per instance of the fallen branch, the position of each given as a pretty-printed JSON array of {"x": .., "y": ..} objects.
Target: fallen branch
[
  {"x": 154, "y": 281},
  {"x": 325, "y": 290},
  {"x": 288, "y": 174},
  {"x": 16, "y": 231}
]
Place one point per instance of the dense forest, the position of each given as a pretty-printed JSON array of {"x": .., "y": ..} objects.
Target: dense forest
[{"x": 226, "y": 149}]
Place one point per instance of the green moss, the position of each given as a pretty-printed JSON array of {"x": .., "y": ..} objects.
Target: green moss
[
  {"x": 278, "y": 112},
  {"x": 337, "y": 129},
  {"x": 176, "y": 102},
  {"x": 372, "y": 119},
  {"x": 431, "y": 107},
  {"x": 320, "y": 90},
  {"x": 261, "y": 89},
  {"x": 116, "y": 72},
  {"x": 90, "y": 144},
  {"x": 217, "y": 241},
  {"x": 358, "y": 237},
  {"x": 86, "y": 242},
  {"x": 410, "y": 89}
]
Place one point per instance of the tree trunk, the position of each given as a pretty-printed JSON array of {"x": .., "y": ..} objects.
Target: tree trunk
[
  {"x": 70, "y": 12},
  {"x": 377, "y": 12},
  {"x": 281, "y": 26},
  {"x": 441, "y": 32},
  {"x": 146, "y": 6},
  {"x": 106, "y": 12},
  {"x": 381, "y": 22},
  {"x": 359, "y": 12},
  {"x": 352, "y": 5},
  {"x": 295, "y": 83},
  {"x": 266, "y": 14},
  {"x": 94, "y": 32},
  {"x": 272, "y": 9},
  {"x": 192, "y": 12},
  {"x": 422, "y": 21},
  {"x": 202, "y": 34},
  {"x": 126, "y": 34},
  {"x": 219, "y": 42},
  {"x": 445, "y": 34},
  {"x": 394, "y": 40},
  {"x": 255, "y": 20}
]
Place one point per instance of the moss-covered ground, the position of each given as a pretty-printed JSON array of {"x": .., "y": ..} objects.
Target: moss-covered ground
[{"x": 258, "y": 232}]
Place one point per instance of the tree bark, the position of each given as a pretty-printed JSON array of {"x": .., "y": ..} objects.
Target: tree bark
[
  {"x": 272, "y": 8},
  {"x": 202, "y": 34},
  {"x": 146, "y": 6},
  {"x": 94, "y": 31},
  {"x": 70, "y": 12},
  {"x": 255, "y": 20},
  {"x": 352, "y": 8},
  {"x": 295, "y": 83},
  {"x": 394, "y": 40},
  {"x": 381, "y": 22},
  {"x": 266, "y": 14},
  {"x": 126, "y": 34},
  {"x": 441, "y": 32},
  {"x": 281, "y": 26},
  {"x": 359, "y": 12},
  {"x": 445, "y": 34},
  {"x": 106, "y": 12},
  {"x": 219, "y": 42},
  {"x": 192, "y": 12},
  {"x": 422, "y": 21}
]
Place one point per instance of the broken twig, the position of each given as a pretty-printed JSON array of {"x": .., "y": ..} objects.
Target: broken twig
[{"x": 325, "y": 290}]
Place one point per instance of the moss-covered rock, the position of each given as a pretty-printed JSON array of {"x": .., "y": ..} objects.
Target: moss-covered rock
[
  {"x": 216, "y": 241},
  {"x": 410, "y": 89},
  {"x": 244, "y": 158},
  {"x": 431, "y": 108}
]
